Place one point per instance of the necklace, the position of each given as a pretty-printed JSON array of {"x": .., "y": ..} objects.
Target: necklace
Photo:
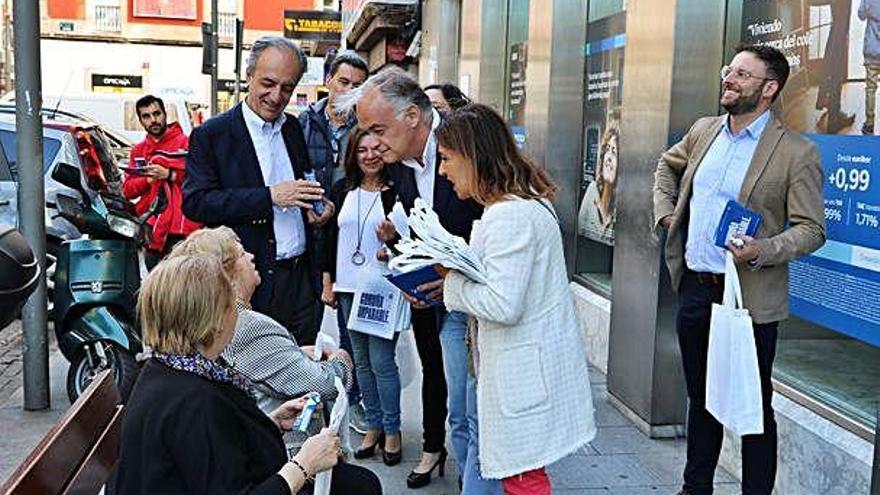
[{"x": 358, "y": 257}]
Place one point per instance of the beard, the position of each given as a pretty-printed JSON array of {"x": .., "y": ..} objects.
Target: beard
[
  {"x": 743, "y": 103},
  {"x": 157, "y": 130}
]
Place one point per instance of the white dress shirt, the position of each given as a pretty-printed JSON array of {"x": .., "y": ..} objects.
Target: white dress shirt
[
  {"x": 426, "y": 171},
  {"x": 290, "y": 232},
  {"x": 717, "y": 181}
]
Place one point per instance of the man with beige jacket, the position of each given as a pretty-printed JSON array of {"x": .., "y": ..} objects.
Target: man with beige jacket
[{"x": 745, "y": 155}]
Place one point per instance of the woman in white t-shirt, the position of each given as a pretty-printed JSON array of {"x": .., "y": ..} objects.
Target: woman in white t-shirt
[{"x": 363, "y": 199}]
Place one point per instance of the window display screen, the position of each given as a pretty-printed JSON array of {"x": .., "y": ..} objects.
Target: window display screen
[{"x": 833, "y": 48}]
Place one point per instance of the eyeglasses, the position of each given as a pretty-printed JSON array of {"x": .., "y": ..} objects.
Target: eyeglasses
[{"x": 739, "y": 74}]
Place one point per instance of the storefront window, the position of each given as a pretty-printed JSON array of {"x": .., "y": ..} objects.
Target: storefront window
[
  {"x": 830, "y": 350},
  {"x": 597, "y": 209}
]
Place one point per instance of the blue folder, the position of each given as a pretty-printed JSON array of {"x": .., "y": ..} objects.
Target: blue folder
[
  {"x": 408, "y": 282},
  {"x": 736, "y": 220}
]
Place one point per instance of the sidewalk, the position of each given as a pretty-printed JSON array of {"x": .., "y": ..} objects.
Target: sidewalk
[{"x": 620, "y": 461}]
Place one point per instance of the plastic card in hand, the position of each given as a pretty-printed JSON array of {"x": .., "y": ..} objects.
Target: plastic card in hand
[
  {"x": 302, "y": 421},
  {"x": 735, "y": 221},
  {"x": 408, "y": 282}
]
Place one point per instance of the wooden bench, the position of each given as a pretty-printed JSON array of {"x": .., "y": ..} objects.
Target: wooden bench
[{"x": 77, "y": 454}]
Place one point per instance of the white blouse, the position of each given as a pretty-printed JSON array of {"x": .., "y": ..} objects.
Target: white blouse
[{"x": 359, "y": 217}]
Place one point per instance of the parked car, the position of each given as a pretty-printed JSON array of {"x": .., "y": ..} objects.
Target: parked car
[
  {"x": 79, "y": 143},
  {"x": 117, "y": 111},
  {"x": 119, "y": 144}
]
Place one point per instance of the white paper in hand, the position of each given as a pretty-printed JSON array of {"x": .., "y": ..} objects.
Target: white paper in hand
[
  {"x": 338, "y": 423},
  {"x": 434, "y": 245}
]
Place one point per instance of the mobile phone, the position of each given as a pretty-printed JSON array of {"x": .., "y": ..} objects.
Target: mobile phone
[
  {"x": 134, "y": 170},
  {"x": 318, "y": 205}
]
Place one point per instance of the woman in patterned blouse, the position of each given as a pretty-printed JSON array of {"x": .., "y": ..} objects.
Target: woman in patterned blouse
[{"x": 262, "y": 349}]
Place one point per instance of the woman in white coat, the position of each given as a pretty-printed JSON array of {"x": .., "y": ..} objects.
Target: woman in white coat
[{"x": 533, "y": 393}]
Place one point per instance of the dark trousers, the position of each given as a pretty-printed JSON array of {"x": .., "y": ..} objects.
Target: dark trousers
[
  {"x": 426, "y": 330},
  {"x": 293, "y": 300},
  {"x": 704, "y": 432},
  {"x": 152, "y": 258},
  {"x": 348, "y": 479}
]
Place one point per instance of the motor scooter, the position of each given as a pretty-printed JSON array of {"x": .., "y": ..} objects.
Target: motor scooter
[{"x": 96, "y": 282}]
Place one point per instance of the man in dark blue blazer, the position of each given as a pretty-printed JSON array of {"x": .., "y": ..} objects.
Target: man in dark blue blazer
[
  {"x": 245, "y": 170},
  {"x": 393, "y": 107}
]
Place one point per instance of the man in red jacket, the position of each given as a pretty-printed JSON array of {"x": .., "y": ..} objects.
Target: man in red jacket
[{"x": 160, "y": 175}]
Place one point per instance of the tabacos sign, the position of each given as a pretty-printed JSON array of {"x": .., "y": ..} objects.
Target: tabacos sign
[{"x": 312, "y": 25}]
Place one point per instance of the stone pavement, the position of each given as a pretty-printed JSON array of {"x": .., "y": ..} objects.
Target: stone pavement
[
  {"x": 10, "y": 360},
  {"x": 620, "y": 461}
]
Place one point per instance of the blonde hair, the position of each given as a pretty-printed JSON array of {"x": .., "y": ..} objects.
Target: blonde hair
[
  {"x": 220, "y": 242},
  {"x": 183, "y": 303}
]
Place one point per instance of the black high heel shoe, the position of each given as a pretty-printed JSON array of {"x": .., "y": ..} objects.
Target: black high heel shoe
[
  {"x": 367, "y": 452},
  {"x": 418, "y": 480},
  {"x": 392, "y": 458}
]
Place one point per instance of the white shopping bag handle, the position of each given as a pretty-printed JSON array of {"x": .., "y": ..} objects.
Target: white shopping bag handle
[{"x": 732, "y": 292}]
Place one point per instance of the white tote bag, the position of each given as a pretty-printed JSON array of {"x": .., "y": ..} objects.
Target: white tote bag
[{"x": 733, "y": 381}]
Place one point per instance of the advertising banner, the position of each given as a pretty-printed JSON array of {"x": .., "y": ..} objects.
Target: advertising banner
[
  {"x": 606, "y": 41},
  {"x": 312, "y": 25},
  {"x": 833, "y": 48}
]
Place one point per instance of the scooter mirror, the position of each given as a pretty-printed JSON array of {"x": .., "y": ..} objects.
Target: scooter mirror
[{"x": 68, "y": 175}]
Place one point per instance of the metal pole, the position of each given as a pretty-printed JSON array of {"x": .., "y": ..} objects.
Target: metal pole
[
  {"x": 875, "y": 476},
  {"x": 31, "y": 195},
  {"x": 239, "y": 40},
  {"x": 7, "y": 47},
  {"x": 215, "y": 21}
]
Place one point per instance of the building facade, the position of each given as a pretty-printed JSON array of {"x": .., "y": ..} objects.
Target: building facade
[{"x": 144, "y": 46}]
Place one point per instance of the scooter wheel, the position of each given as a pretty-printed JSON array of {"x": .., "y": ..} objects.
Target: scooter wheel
[{"x": 81, "y": 372}]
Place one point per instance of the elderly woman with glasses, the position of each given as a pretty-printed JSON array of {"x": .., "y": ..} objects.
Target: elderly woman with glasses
[
  {"x": 265, "y": 352},
  {"x": 263, "y": 349}
]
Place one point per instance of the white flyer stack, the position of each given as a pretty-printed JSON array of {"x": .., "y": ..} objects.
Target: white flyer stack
[{"x": 432, "y": 244}]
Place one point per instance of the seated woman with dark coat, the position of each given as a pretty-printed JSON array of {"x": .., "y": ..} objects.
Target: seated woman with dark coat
[{"x": 191, "y": 424}]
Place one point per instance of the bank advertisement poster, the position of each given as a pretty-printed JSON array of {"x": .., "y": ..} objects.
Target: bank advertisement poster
[
  {"x": 606, "y": 40},
  {"x": 833, "y": 48}
]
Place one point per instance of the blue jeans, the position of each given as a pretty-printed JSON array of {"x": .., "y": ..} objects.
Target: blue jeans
[
  {"x": 462, "y": 427},
  {"x": 354, "y": 394},
  {"x": 472, "y": 482},
  {"x": 377, "y": 374}
]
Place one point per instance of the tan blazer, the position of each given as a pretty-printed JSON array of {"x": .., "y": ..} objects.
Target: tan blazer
[{"x": 783, "y": 184}]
